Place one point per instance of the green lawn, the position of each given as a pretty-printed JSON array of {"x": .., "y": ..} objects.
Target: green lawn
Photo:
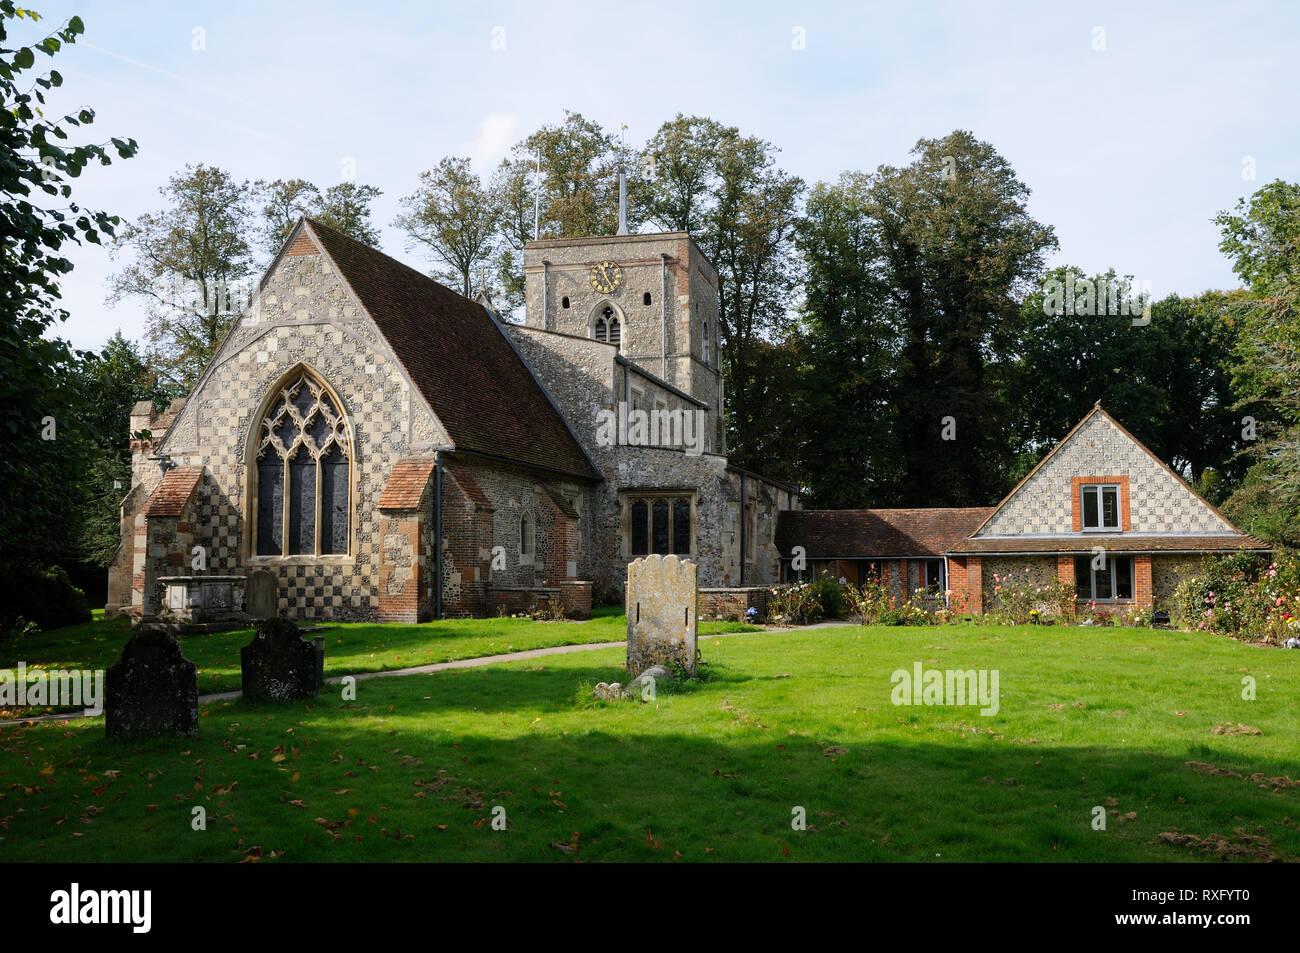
[
  {"x": 413, "y": 768},
  {"x": 349, "y": 647}
]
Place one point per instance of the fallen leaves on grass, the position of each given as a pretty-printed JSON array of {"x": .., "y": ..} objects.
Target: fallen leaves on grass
[
  {"x": 1280, "y": 783},
  {"x": 1241, "y": 847},
  {"x": 1238, "y": 729}
]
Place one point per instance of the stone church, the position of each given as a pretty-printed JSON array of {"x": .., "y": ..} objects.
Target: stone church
[{"x": 390, "y": 450}]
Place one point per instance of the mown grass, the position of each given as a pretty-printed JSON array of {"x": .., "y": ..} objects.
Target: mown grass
[
  {"x": 413, "y": 768},
  {"x": 350, "y": 648}
]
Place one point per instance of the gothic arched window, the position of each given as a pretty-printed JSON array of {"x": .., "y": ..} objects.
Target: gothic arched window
[
  {"x": 607, "y": 326},
  {"x": 303, "y": 473},
  {"x": 527, "y": 544}
]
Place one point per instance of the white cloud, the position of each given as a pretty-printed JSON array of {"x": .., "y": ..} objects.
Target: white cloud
[{"x": 495, "y": 137}]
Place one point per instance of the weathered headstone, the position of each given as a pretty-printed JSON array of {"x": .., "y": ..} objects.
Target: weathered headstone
[
  {"x": 280, "y": 665},
  {"x": 153, "y": 689},
  {"x": 262, "y": 595},
  {"x": 662, "y": 593}
]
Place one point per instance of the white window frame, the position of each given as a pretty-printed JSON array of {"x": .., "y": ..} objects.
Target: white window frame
[{"x": 1100, "y": 490}]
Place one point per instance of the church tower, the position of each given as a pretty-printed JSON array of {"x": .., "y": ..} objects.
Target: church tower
[{"x": 653, "y": 296}]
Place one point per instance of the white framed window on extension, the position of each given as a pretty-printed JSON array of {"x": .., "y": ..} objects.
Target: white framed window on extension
[{"x": 1100, "y": 507}]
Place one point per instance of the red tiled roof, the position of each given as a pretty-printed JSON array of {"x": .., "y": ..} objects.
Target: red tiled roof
[
  {"x": 460, "y": 360},
  {"x": 469, "y": 486},
  {"x": 877, "y": 534},
  {"x": 1124, "y": 543},
  {"x": 406, "y": 484},
  {"x": 561, "y": 504},
  {"x": 175, "y": 490}
]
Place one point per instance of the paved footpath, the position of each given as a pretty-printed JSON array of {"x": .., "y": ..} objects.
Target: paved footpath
[{"x": 435, "y": 667}]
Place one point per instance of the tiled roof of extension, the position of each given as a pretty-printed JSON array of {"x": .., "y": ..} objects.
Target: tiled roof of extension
[
  {"x": 1125, "y": 543},
  {"x": 406, "y": 484},
  {"x": 877, "y": 534},
  {"x": 175, "y": 490}
]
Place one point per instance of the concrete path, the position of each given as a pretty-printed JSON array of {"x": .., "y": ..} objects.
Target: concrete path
[
  {"x": 440, "y": 667},
  {"x": 362, "y": 676}
]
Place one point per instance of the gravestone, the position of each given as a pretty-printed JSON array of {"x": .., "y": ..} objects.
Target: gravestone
[
  {"x": 263, "y": 598},
  {"x": 280, "y": 665},
  {"x": 662, "y": 594},
  {"x": 153, "y": 689}
]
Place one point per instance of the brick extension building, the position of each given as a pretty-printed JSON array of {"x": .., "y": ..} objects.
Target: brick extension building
[
  {"x": 391, "y": 450},
  {"x": 1098, "y": 493}
]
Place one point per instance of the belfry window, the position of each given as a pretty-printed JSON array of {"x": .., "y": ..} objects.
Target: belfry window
[
  {"x": 302, "y": 473},
  {"x": 607, "y": 327}
]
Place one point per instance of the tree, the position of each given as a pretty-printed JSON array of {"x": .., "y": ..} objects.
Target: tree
[
  {"x": 346, "y": 208},
  {"x": 284, "y": 201},
  {"x": 455, "y": 219},
  {"x": 579, "y": 177},
  {"x": 111, "y": 382},
  {"x": 958, "y": 252},
  {"x": 1262, "y": 237},
  {"x": 1169, "y": 382},
  {"x": 38, "y": 411},
  {"x": 681, "y": 160},
  {"x": 742, "y": 211},
  {"x": 513, "y": 195},
  {"x": 192, "y": 265},
  {"x": 847, "y": 426}
]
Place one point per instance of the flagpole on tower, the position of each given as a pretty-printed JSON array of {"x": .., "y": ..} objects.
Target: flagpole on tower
[
  {"x": 537, "y": 196},
  {"x": 622, "y": 183}
]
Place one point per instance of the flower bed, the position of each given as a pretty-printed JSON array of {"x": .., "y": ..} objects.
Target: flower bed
[{"x": 1244, "y": 596}]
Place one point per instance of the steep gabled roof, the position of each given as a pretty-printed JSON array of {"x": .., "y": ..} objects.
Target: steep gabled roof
[
  {"x": 460, "y": 360},
  {"x": 1098, "y": 412},
  {"x": 876, "y": 534}
]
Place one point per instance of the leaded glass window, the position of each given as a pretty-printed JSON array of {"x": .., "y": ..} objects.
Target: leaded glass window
[
  {"x": 660, "y": 524},
  {"x": 302, "y": 472}
]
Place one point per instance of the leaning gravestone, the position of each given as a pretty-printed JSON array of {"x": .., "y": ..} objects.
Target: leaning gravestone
[
  {"x": 262, "y": 595},
  {"x": 280, "y": 665},
  {"x": 153, "y": 690},
  {"x": 661, "y": 627}
]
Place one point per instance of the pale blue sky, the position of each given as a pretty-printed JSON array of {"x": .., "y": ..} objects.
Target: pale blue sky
[{"x": 1129, "y": 151}]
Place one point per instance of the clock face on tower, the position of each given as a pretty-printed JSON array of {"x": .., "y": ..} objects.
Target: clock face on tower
[{"x": 606, "y": 276}]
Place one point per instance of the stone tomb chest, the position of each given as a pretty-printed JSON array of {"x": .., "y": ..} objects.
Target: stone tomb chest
[{"x": 203, "y": 598}]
